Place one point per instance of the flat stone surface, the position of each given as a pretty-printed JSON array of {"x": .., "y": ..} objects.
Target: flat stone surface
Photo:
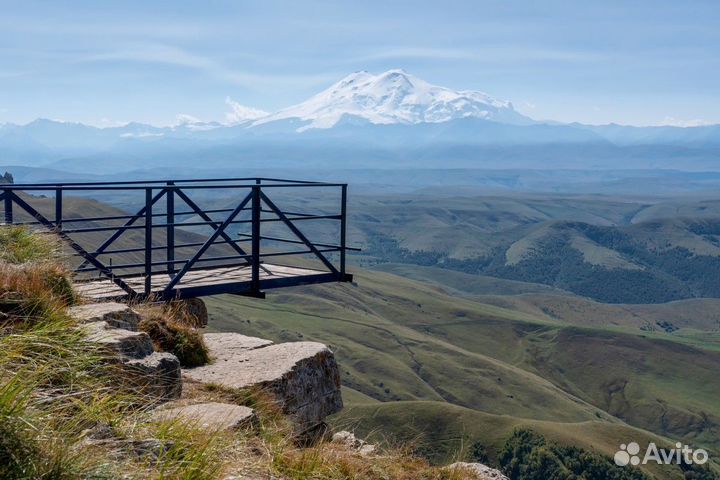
[
  {"x": 125, "y": 342},
  {"x": 225, "y": 345},
  {"x": 212, "y": 415},
  {"x": 303, "y": 376},
  {"x": 117, "y": 315},
  {"x": 159, "y": 373},
  {"x": 478, "y": 471}
]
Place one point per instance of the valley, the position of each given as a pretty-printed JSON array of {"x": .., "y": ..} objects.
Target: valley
[{"x": 450, "y": 338}]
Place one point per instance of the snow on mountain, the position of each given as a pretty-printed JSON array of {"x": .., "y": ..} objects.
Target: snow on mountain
[
  {"x": 241, "y": 113},
  {"x": 395, "y": 97}
]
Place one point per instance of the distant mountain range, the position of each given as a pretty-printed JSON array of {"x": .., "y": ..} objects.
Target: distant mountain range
[{"x": 389, "y": 120}]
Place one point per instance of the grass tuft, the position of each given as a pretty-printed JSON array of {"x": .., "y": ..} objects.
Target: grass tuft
[
  {"x": 170, "y": 334},
  {"x": 19, "y": 244}
]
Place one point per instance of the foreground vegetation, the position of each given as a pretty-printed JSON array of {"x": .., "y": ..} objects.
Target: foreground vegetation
[{"x": 69, "y": 410}]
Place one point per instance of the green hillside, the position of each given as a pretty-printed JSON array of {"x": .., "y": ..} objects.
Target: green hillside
[
  {"x": 401, "y": 340},
  {"x": 438, "y": 353},
  {"x": 448, "y": 432},
  {"x": 651, "y": 262}
]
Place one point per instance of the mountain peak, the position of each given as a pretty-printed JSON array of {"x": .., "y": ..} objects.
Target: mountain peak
[
  {"x": 241, "y": 113},
  {"x": 395, "y": 96}
]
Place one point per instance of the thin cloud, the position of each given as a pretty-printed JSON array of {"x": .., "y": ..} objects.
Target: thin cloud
[
  {"x": 491, "y": 54},
  {"x": 168, "y": 55}
]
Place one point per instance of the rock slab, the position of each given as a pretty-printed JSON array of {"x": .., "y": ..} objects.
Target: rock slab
[
  {"x": 211, "y": 415},
  {"x": 117, "y": 315},
  {"x": 127, "y": 343},
  {"x": 303, "y": 376}
]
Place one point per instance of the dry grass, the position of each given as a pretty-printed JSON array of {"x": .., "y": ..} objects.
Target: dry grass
[
  {"x": 170, "y": 332},
  {"x": 66, "y": 411},
  {"x": 273, "y": 447}
]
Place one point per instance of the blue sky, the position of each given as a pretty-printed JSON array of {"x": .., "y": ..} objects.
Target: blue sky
[{"x": 102, "y": 62}]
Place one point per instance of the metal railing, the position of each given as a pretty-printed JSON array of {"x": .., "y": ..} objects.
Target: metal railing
[{"x": 168, "y": 206}]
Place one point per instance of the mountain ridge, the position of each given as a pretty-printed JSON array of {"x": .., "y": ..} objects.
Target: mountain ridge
[{"x": 391, "y": 120}]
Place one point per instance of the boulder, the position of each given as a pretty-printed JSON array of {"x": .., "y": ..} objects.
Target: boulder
[
  {"x": 127, "y": 343},
  {"x": 211, "y": 415},
  {"x": 117, "y": 315},
  {"x": 303, "y": 376},
  {"x": 157, "y": 373},
  {"x": 478, "y": 471},
  {"x": 193, "y": 311}
]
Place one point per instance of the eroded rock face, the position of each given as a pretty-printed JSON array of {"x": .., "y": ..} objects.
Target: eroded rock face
[
  {"x": 115, "y": 327},
  {"x": 478, "y": 471},
  {"x": 158, "y": 374},
  {"x": 303, "y": 376}
]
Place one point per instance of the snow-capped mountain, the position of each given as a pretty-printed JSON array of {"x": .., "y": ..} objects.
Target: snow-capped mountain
[
  {"x": 395, "y": 97},
  {"x": 241, "y": 113}
]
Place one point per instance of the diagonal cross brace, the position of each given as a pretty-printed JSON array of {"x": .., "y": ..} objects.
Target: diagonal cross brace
[
  {"x": 298, "y": 233},
  {"x": 214, "y": 225},
  {"x": 87, "y": 256},
  {"x": 140, "y": 214},
  {"x": 208, "y": 243}
]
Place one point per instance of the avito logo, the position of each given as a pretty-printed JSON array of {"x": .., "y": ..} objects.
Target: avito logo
[{"x": 681, "y": 454}]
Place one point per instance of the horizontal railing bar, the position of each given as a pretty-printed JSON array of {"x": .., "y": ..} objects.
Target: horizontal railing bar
[
  {"x": 142, "y": 226},
  {"x": 287, "y": 240},
  {"x": 299, "y": 252},
  {"x": 126, "y": 266},
  {"x": 125, "y": 217},
  {"x": 160, "y": 247},
  {"x": 131, "y": 187},
  {"x": 164, "y": 181},
  {"x": 194, "y": 224},
  {"x": 177, "y": 214}
]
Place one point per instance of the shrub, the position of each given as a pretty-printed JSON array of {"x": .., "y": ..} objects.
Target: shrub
[
  {"x": 527, "y": 456},
  {"x": 478, "y": 453},
  {"x": 169, "y": 335}
]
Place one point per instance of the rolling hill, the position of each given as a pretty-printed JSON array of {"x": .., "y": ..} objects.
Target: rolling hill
[
  {"x": 623, "y": 250},
  {"x": 426, "y": 352},
  {"x": 450, "y": 358}
]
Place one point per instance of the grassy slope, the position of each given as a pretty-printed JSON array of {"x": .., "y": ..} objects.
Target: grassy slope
[
  {"x": 70, "y": 411},
  {"x": 442, "y": 427},
  {"x": 397, "y": 339}
]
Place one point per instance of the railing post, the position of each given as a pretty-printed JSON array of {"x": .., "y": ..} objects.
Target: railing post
[
  {"x": 58, "y": 209},
  {"x": 343, "y": 230},
  {"x": 148, "y": 241},
  {"x": 171, "y": 228},
  {"x": 256, "y": 238},
  {"x": 8, "y": 206}
]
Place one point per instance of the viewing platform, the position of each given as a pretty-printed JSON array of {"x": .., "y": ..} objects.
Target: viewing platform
[{"x": 152, "y": 239}]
